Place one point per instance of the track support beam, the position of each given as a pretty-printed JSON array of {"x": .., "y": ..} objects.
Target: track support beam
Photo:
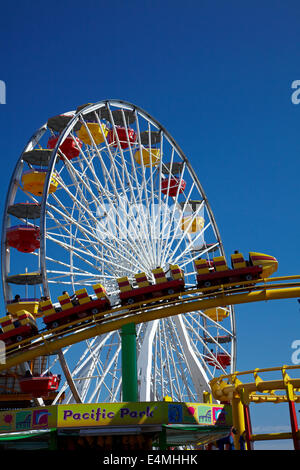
[{"x": 129, "y": 363}]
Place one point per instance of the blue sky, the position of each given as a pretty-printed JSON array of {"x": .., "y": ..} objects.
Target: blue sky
[{"x": 218, "y": 76}]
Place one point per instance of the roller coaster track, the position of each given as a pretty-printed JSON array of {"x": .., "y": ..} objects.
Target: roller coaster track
[
  {"x": 259, "y": 390},
  {"x": 272, "y": 385},
  {"x": 191, "y": 300}
]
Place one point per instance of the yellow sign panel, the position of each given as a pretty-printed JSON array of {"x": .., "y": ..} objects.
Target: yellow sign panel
[
  {"x": 112, "y": 414},
  {"x": 119, "y": 414}
]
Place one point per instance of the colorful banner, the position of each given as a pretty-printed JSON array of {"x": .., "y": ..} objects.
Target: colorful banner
[
  {"x": 199, "y": 413},
  {"x": 28, "y": 419}
]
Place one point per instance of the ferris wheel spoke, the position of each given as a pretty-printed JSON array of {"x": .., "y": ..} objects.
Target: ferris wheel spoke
[
  {"x": 82, "y": 248},
  {"x": 82, "y": 254},
  {"x": 105, "y": 373},
  {"x": 167, "y": 360},
  {"x": 29, "y": 195},
  {"x": 197, "y": 372},
  {"x": 137, "y": 198},
  {"x": 88, "y": 233},
  {"x": 185, "y": 231},
  {"x": 128, "y": 232},
  {"x": 143, "y": 185},
  {"x": 214, "y": 323},
  {"x": 85, "y": 359},
  {"x": 150, "y": 191},
  {"x": 181, "y": 372},
  {"x": 145, "y": 359},
  {"x": 182, "y": 384},
  {"x": 141, "y": 222},
  {"x": 83, "y": 371},
  {"x": 90, "y": 369},
  {"x": 162, "y": 369},
  {"x": 190, "y": 245},
  {"x": 200, "y": 340},
  {"x": 173, "y": 222},
  {"x": 155, "y": 241},
  {"x": 166, "y": 206},
  {"x": 181, "y": 391},
  {"x": 82, "y": 207},
  {"x": 104, "y": 168},
  {"x": 62, "y": 277},
  {"x": 197, "y": 254}
]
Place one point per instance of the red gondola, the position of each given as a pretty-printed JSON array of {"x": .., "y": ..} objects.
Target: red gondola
[
  {"x": 222, "y": 360},
  {"x": 24, "y": 238},
  {"x": 68, "y": 147},
  {"x": 39, "y": 386},
  {"x": 122, "y": 136},
  {"x": 172, "y": 186}
]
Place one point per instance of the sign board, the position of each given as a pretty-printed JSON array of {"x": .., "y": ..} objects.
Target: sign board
[
  {"x": 111, "y": 414},
  {"x": 114, "y": 414},
  {"x": 143, "y": 413}
]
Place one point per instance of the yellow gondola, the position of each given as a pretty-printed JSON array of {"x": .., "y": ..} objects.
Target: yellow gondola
[
  {"x": 147, "y": 156},
  {"x": 95, "y": 130},
  {"x": 192, "y": 225},
  {"x": 217, "y": 313},
  {"x": 34, "y": 180}
]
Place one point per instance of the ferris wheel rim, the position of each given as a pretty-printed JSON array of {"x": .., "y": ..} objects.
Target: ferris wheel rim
[{"x": 9, "y": 197}]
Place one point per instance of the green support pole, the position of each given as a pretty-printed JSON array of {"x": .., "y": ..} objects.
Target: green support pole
[
  {"x": 53, "y": 439},
  {"x": 129, "y": 365},
  {"x": 162, "y": 440}
]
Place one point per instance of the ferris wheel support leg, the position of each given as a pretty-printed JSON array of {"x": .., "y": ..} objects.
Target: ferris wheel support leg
[
  {"x": 197, "y": 372},
  {"x": 144, "y": 362},
  {"x": 68, "y": 376},
  {"x": 129, "y": 363}
]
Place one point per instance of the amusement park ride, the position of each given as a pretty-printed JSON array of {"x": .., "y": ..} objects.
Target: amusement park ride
[{"x": 104, "y": 204}]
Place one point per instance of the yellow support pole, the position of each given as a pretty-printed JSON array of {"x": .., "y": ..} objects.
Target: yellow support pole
[
  {"x": 238, "y": 420},
  {"x": 207, "y": 398}
]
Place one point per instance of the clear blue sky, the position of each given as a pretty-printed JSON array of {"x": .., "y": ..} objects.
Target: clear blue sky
[{"x": 218, "y": 76}]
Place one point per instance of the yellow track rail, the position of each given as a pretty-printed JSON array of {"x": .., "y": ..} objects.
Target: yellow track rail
[
  {"x": 190, "y": 301},
  {"x": 225, "y": 387}
]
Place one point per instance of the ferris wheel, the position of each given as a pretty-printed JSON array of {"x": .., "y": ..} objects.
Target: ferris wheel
[{"x": 100, "y": 193}]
